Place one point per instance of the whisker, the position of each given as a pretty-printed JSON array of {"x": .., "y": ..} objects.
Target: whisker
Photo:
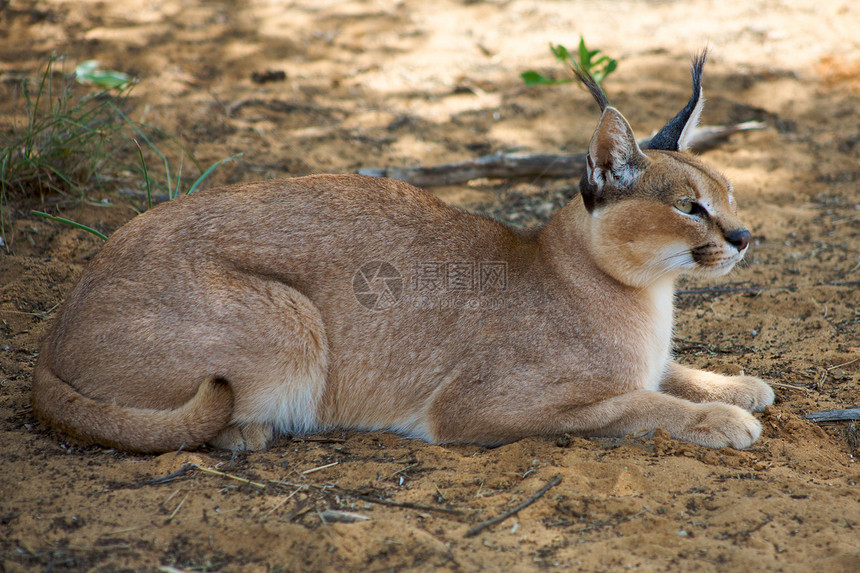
[{"x": 667, "y": 264}]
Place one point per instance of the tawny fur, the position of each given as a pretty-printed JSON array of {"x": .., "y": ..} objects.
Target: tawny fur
[{"x": 229, "y": 315}]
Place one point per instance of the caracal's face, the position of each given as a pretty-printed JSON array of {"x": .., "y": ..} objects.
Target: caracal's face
[{"x": 679, "y": 217}]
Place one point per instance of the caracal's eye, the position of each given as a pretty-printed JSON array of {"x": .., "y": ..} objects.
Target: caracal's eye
[{"x": 684, "y": 205}]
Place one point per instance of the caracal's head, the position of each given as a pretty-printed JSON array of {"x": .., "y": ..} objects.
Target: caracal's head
[{"x": 658, "y": 211}]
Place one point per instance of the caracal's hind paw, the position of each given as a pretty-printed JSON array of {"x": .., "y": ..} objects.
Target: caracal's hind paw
[{"x": 249, "y": 437}]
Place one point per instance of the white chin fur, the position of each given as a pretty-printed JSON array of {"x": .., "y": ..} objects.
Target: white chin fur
[{"x": 722, "y": 268}]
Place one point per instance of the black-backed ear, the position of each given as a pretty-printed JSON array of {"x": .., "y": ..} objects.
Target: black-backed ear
[
  {"x": 614, "y": 159},
  {"x": 676, "y": 134}
]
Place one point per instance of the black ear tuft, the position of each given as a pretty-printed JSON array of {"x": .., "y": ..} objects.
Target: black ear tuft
[
  {"x": 592, "y": 85},
  {"x": 676, "y": 134}
]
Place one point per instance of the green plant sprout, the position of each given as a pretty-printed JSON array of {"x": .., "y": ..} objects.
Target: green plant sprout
[
  {"x": 590, "y": 61},
  {"x": 172, "y": 191},
  {"x": 88, "y": 73}
]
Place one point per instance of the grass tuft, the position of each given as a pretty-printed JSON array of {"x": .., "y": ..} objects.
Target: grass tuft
[{"x": 62, "y": 143}]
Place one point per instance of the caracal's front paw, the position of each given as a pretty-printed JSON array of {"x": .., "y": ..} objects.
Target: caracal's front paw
[
  {"x": 719, "y": 425},
  {"x": 249, "y": 437},
  {"x": 750, "y": 393}
]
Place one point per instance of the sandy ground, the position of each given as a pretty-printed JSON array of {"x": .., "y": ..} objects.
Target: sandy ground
[{"x": 373, "y": 84}]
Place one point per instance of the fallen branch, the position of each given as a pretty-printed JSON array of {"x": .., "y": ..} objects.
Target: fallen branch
[
  {"x": 479, "y": 528},
  {"x": 834, "y": 415},
  {"x": 505, "y": 165}
]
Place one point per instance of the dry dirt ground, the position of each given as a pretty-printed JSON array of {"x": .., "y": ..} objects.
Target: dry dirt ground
[{"x": 379, "y": 83}]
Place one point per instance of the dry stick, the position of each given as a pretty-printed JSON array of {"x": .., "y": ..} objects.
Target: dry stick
[
  {"x": 834, "y": 415},
  {"x": 369, "y": 498},
  {"x": 312, "y": 470},
  {"x": 175, "y": 511},
  {"x": 479, "y": 528},
  {"x": 789, "y": 386},
  {"x": 392, "y": 503},
  {"x": 351, "y": 493},
  {"x": 171, "y": 476},
  {"x": 843, "y": 364},
  {"x": 282, "y": 502},
  {"x": 222, "y": 474},
  {"x": 504, "y": 165}
]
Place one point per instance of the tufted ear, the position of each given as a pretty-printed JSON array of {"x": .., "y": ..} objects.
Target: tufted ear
[
  {"x": 676, "y": 134},
  {"x": 614, "y": 159}
]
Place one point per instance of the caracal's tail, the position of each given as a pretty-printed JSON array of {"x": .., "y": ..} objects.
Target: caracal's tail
[{"x": 198, "y": 421}]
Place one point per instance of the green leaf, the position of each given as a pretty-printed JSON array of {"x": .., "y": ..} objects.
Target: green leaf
[
  {"x": 532, "y": 78},
  {"x": 560, "y": 53},
  {"x": 89, "y": 73},
  {"x": 584, "y": 57}
]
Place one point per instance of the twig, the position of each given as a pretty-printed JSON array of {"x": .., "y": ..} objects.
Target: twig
[
  {"x": 392, "y": 503},
  {"x": 791, "y": 386},
  {"x": 175, "y": 511},
  {"x": 171, "y": 496},
  {"x": 172, "y": 476},
  {"x": 222, "y": 474},
  {"x": 188, "y": 467},
  {"x": 343, "y": 491},
  {"x": 368, "y": 498},
  {"x": 479, "y": 528},
  {"x": 282, "y": 502},
  {"x": 843, "y": 364},
  {"x": 503, "y": 165},
  {"x": 312, "y": 470},
  {"x": 839, "y": 415}
]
